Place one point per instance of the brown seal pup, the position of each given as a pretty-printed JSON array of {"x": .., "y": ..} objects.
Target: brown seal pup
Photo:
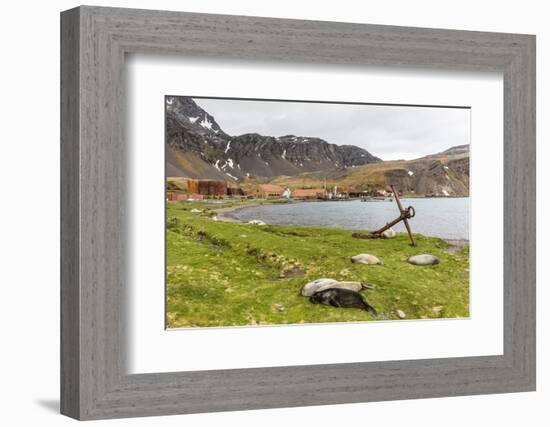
[{"x": 342, "y": 298}]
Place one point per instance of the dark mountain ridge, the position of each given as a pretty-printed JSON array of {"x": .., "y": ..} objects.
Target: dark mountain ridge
[{"x": 197, "y": 147}]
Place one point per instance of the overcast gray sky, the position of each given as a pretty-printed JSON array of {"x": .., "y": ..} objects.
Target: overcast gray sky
[{"x": 388, "y": 132}]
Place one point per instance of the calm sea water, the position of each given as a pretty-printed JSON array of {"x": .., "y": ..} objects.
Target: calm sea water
[{"x": 438, "y": 217}]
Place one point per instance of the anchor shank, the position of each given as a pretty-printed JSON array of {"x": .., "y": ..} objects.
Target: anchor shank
[
  {"x": 409, "y": 231},
  {"x": 396, "y": 195}
]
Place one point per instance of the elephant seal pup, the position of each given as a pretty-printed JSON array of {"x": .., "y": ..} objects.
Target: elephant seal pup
[
  {"x": 366, "y": 259},
  {"x": 389, "y": 233},
  {"x": 310, "y": 288},
  {"x": 323, "y": 284},
  {"x": 423, "y": 259},
  {"x": 352, "y": 286},
  {"x": 342, "y": 298}
]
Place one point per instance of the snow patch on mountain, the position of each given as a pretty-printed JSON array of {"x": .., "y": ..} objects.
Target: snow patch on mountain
[{"x": 205, "y": 123}]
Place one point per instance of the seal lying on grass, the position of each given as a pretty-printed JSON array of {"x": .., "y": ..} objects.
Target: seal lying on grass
[
  {"x": 342, "y": 298},
  {"x": 424, "y": 259},
  {"x": 323, "y": 284},
  {"x": 366, "y": 259}
]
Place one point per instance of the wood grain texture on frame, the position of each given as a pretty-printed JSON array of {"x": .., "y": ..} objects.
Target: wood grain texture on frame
[{"x": 94, "y": 271}]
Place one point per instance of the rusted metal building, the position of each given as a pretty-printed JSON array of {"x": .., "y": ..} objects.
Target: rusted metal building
[
  {"x": 233, "y": 191},
  {"x": 176, "y": 197},
  {"x": 270, "y": 190},
  {"x": 207, "y": 187}
]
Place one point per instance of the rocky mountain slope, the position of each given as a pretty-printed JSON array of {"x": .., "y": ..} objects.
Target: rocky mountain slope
[
  {"x": 197, "y": 147},
  {"x": 442, "y": 174}
]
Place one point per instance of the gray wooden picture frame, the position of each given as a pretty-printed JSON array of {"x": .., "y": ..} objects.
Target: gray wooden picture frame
[{"x": 94, "y": 382}]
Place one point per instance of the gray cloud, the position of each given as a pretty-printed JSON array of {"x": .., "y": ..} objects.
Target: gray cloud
[{"x": 389, "y": 132}]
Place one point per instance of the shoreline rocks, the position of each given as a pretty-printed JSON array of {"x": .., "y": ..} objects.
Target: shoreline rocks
[{"x": 256, "y": 222}]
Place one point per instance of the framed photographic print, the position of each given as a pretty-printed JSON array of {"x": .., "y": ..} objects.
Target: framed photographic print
[
  {"x": 292, "y": 213},
  {"x": 222, "y": 274}
]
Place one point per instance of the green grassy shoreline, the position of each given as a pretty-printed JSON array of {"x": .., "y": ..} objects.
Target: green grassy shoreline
[{"x": 231, "y": 274}]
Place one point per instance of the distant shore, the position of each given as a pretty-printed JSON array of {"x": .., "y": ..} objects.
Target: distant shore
[
  {"x": 228, "y": 214},
  {"x": 224, "y": 214}
]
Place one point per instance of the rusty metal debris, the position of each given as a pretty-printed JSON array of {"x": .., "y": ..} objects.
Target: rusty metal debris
[{"x": 405, "y": 215}]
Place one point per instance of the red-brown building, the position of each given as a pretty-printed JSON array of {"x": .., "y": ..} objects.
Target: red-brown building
[
  {"x": 271, "y": 190},
  {"x": 207, "y": 187}
]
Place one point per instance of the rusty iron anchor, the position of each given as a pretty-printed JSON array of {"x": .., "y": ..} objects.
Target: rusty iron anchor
[{"x": 405, "y": 215}]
